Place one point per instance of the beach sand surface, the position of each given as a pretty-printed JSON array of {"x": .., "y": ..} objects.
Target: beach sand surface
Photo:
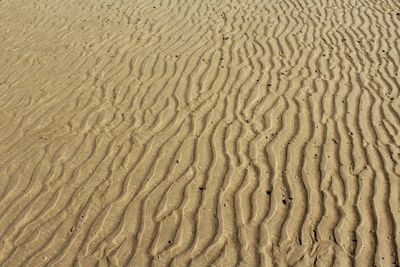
[{"x": 199, "y": 133}]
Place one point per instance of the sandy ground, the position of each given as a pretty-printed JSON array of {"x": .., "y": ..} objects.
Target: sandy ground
[{"x": 201, "y": 133}]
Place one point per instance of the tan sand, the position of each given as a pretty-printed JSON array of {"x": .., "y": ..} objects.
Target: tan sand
[{"x": 199, "y": 133}]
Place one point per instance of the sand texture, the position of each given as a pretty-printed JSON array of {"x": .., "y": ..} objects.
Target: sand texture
[{"x": 199, "y": 133}]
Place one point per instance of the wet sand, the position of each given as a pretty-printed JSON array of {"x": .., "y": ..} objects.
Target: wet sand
[{"x": 199, "y": 133}]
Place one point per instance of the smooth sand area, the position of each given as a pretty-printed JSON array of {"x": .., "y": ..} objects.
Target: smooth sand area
[{"x": 199, "y": 133}]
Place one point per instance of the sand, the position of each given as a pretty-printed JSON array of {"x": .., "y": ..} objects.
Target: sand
[{"x": 199, "y": 133}]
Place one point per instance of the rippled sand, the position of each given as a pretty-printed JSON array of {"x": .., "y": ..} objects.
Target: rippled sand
[{"x": 199, "y": 133}]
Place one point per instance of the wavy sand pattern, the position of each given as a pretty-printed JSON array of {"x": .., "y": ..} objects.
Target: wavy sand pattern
[{"x": 199, "y": 133}]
